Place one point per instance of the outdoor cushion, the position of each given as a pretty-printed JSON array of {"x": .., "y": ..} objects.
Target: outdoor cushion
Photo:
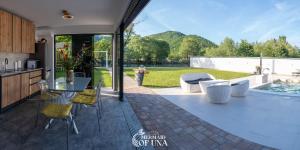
[
  {"x": 48, "y": 96},
  {"x": 84, "y": 99},
  {"x": 197, "y": 80},
  {"x": 88, "y": 92},
  {"x": 57, "y": 110}
]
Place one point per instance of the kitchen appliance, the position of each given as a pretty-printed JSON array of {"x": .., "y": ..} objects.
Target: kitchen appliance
[
  {"x": 32, "y": 64},
  {"x": 40, "y": 54}
]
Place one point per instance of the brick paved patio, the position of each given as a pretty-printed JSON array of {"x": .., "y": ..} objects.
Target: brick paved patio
[{"x": 183, "y": 130}]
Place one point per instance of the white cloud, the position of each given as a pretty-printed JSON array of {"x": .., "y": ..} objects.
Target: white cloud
[
  {"x": 252, "y": 27},
  {"x": 281, "y": 6}
]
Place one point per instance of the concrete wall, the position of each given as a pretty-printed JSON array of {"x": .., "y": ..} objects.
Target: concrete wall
[{"x": 247, "y": 64}]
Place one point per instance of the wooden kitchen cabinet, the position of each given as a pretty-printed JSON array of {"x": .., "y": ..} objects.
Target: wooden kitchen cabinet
[
  {"x": 25, "y": 85},
  {"x": 4, "y": 89},
  {"x": 25, "y": 32},
  {"x": 11, "y": 90},
  {"x": 17, "y": 34},
  {"x": 14, "y": 89},
  {"x": 32, "y": 38},
  {"x": 28, "y": 36},
  {"x": 5, "y": 31}
]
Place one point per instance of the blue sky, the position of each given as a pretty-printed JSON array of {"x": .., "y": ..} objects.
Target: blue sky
[{"x": 253, "y": 20}]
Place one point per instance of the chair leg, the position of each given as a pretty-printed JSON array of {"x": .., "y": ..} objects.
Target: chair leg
[
  {"x": 98, "y": 117},
  {"x": 101, "y": 104},
  {"x": 74, "y": 124},
  {"x": 99, "y": 109},
  {"x": 67, "y": 122}
]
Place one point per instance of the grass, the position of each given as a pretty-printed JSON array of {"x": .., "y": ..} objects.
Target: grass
[
  {"x": 99, "y": 74},
  {"x": 169, "y": 77},
  {"x": 102, "y": 74}
]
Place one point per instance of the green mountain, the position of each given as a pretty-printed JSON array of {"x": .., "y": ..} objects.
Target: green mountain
[{"x": 175, "y": 38}]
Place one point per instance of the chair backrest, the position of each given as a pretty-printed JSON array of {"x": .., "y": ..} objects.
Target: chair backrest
[
  {"x": 43, "y": 85},
  {"x": 195, "y": 76},
  {"x": 79, "y": 74}
]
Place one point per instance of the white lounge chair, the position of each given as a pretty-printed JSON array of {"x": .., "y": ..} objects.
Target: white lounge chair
[
  {"x": 204, "y": 84},
  {"x": 188, "y": 86},
  {"x": 219, "y": 93},
  {"x": 240, "y": 88}
]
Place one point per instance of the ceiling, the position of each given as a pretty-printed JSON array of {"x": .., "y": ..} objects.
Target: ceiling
[{"x": 89, "y": 15}]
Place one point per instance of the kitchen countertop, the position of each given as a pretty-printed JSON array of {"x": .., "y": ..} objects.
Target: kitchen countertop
[{"x": 11, "y": 72}]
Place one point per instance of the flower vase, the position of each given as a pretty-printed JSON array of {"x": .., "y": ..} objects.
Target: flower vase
[
  {"x": 139, "y": 78},
  {"x": 70, "y": 76}
]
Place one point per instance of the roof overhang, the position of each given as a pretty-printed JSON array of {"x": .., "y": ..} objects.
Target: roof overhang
[{"x": 90, "y": 16}]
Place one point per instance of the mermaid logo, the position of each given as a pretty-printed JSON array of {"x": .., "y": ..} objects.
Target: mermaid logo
[
  {"x": 137, "y": 138},
  {"x": 153, "y": 138}
]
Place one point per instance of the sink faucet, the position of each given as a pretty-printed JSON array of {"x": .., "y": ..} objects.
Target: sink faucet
[{"x": 6, "y": 63}]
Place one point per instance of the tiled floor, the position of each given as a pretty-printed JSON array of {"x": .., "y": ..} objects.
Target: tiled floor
[
  {"x": 17, "y": 129},
  {"x": 182, "y": 129}
]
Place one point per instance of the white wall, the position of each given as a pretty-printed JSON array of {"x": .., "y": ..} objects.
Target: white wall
[{"x": 247, "y": 64}]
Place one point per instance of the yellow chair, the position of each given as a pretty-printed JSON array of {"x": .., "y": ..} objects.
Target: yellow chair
[
  {"x": 44, "y": 96},
  {"x": 88, "y": 92},
  {"x": 59, "y": 111},
  {"x": 89, "y": 100}
]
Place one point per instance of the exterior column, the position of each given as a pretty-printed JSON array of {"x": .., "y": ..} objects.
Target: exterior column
[
  {"x": 114, "y": 63},
  {"x": 121, "y": 63}
]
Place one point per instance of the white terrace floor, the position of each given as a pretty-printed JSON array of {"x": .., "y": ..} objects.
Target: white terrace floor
[{"x": 267, "y": 119}]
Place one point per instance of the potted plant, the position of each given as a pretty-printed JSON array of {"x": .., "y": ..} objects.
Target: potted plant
[
  {"x": 139, "y": 75},
  {"x": 69, "y": 63},
  {"x": 258, "y": 70}
]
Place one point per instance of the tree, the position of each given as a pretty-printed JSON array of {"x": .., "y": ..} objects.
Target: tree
[
  {"x": 159, "y": 50},
  {"x": 189, "y": 46},
  {"x": 135, "y": 49},
  {"x": 276, "y": 48},
  {"x": 226, "y": 48},
  {"x": 103, "y": 45},
  {"x": 63, "y": 38},
  {"x": 245, "y": 49},
  {"x": 146, "y": 50}
]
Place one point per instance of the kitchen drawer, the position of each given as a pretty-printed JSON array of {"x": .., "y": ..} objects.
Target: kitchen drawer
[
  {"x": 35, "y": 80},
  {"x": 35, "y": 74},
  {"x": 34, "y": 88}
]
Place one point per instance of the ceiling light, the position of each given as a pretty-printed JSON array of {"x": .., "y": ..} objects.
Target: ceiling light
[{"x": 67, "y": 15}]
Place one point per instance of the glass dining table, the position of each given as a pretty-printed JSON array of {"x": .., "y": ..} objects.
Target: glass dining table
[{"x": 68, "y": 90}]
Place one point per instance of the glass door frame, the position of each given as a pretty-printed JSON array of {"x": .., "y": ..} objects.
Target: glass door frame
[{"x": 55, "y": 68}]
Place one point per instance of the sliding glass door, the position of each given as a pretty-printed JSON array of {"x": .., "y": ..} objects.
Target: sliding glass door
[{"x": 95, "y": 51}]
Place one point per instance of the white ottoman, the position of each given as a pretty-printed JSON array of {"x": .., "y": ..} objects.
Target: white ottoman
[
  {"x": 204, "y": 84},
  {"x": 240, "y": 88},
  {"x": 219, "y": 93}
]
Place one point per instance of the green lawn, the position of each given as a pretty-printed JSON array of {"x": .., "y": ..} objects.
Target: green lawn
[
  {"x": 169, "y": 77},
  {"x": 102, "y": 74},
  {"x": 99, "y": 74}
]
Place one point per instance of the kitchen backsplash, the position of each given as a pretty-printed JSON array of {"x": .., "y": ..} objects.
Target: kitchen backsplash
[{"x": 12, "y": 57}]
